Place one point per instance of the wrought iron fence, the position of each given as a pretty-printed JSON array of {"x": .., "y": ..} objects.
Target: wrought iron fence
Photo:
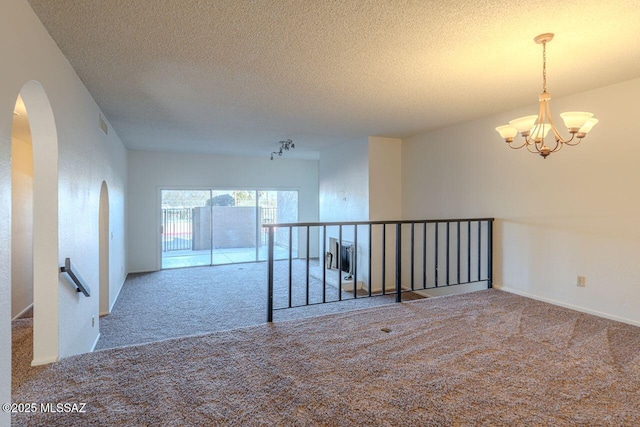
[
  {"x": 267, "y": 216},
  {"x": 177, "y": 229}
]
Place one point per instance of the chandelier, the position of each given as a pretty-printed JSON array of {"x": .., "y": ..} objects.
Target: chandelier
[
  {"x": 534, "y": 129},
  {"x": 285, "y": 145}
]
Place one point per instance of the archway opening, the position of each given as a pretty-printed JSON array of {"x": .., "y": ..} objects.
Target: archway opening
[
  {"x": 21, "y": 214},
  {"x": 34, "y": 231},
  {"x": 21, "y": 243},
  {"x": 104, "y": 238}
]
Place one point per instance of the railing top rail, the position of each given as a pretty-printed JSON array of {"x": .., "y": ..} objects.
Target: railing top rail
[{"x": 404, "y": 221}]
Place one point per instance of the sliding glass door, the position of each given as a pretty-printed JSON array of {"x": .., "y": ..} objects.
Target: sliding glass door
[
  {"x": 184, "y": 241},
  {"x": 212, "y": 227},
  {"x": 234, "y": 216}
]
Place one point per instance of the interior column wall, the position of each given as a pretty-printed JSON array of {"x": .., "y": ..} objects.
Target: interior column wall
[
  {"x": 385, "y": 204},
  {"x": 344, "y": 195}
]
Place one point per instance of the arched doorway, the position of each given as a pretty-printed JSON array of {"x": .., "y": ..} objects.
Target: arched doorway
[
  {"x": 21, "y": 244},
  {"x": 21, "y": 214},
  {"x": 104, "y": 238},
  {"x": 44, "y": 222}
]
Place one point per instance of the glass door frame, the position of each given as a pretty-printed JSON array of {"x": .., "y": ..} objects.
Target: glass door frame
[{"x": 211, "y": 189}]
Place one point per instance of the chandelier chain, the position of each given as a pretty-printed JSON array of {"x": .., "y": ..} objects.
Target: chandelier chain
[{"x": 544, "y": 66}]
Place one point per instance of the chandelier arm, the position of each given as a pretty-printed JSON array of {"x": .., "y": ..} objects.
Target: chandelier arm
[
  {"x": 559, "y": 137},
  {"x": 519, "y": 147},
  {"x": 557, "y": 147},
  {"x": 574, "y": 143},
  {"x": 535, "y": 146},
  {"x": 542, "y": 115}
]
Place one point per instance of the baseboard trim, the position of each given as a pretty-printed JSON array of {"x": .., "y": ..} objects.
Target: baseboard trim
[
  {"x": 19, "y": 315},
  {"x": 95, "y": 343},
  {"x": 44, "y": 361},
  {"x": 117, "y": 295},
  {"x": 566, "y": 305},
  {"x": 153, "y": 270}
]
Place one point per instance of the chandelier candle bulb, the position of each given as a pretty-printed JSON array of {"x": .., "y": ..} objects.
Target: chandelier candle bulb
[{"x": 534, "y": 129}]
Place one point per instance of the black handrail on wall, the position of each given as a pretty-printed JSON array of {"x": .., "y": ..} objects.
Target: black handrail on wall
[
  {"x": 77, "y": 281},
  {"x": 455, "y": 243}
]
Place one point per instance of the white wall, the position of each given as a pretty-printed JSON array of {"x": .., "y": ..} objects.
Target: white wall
[
  {"x": 21, "y": 225},
  {"x": 385, "y": 178},
  {"x": 86, "y": 157},
  {"x": 151, "y": 171},
  {"x": 344, "y": 182},
  {"x": 574, "y": 213},
  {"x": 344, "y": 195},
  {"x": 385, "y": 204}
]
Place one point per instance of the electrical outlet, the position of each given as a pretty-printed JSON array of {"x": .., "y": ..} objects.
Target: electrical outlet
[
  {"x": 93, "y": 321},
  {"x": 581, "y": 281}
]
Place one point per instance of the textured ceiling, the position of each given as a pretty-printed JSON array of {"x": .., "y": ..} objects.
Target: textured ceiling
[{"x": 237, "y": 76}]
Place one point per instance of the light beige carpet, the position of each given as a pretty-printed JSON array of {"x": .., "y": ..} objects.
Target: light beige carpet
[
  {"x": 484, "y": 358},
  {"x": 201, "y": 300},
  {"x": 22, "y": 352}
]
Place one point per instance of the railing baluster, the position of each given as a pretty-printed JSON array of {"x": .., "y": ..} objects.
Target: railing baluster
[
  {"x": 290, "y": 265},
  {"x": 412, "y": 254},
  {"x": 384, "y": 259},
  {"x": 447, "y": 247},
  {"x": 308, "y": 259},
  {"x": 354, "y": 260},
  {"x": 324, "y": 263},
  {"x": 479, "y": 249},
  {"x": 370, "y": 258},
  {"x": 436, "y": 255},
  {"x": 458, "y": 251},
  {"x": 398, "y": 262},
  {"x": 270, "y": 277},
  {"x": 339, "y": 255},
  {"x": 468, "y": 251},
  {"x": 424, "y": 256}
]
